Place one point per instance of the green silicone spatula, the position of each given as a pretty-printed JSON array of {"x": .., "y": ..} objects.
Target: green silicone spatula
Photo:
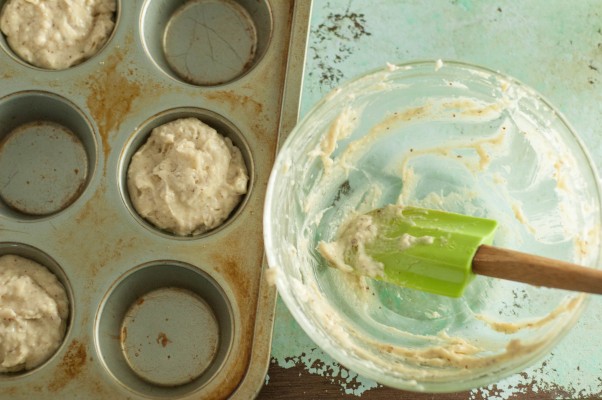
[{"x": 440, "y": 252}]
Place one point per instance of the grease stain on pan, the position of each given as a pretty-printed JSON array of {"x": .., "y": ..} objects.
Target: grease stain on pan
[
  {"x": 111, "y": 97},
  {"x": 70, "y": 367},
  {"x": 235, "y": 100},
  {"x": 116, "y": 91},
  {"x": 98, "y": 218}
]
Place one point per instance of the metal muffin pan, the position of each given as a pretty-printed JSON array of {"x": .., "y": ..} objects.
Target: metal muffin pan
[{"x": 152, "y": 315}]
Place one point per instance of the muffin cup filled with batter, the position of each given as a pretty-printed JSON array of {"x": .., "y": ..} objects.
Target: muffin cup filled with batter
[
  {"x": 187, "y": 178},
  {"x": 34, "y": 308},
  {"x": 54, "y": 34}
]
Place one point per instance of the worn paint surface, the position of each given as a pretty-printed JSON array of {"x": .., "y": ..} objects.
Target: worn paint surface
[{"x": 552, "y": 46}]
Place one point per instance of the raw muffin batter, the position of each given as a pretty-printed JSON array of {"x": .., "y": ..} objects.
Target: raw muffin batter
[
  {"x": 348, "y": 251},
  {"x": 57, "y": 34},
  {"x": 33, "y": 313},
  {"x": 187, "y": 178},
  {"x": 350, "y": 248}
]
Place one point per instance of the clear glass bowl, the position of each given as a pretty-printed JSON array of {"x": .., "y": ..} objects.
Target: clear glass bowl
[{"x": 436, "y": 135}]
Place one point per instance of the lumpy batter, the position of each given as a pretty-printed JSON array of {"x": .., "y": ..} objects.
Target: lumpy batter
[
  {"x": 57, "y": 34},
  {"x": 348, "y": 251},
  {"x": 187, "y": 178},
  {"x": 33, "y": 313},
  {"x": 349, "y": 248}
]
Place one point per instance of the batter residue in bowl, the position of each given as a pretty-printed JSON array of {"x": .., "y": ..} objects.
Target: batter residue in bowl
[{"x": 456, "y": 139}]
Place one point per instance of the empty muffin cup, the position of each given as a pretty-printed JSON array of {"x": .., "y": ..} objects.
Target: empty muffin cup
[
  {"x": 47, "y": 154},
  {"x": 175, "y": 328},
  {"x": 206, "y": 42}
]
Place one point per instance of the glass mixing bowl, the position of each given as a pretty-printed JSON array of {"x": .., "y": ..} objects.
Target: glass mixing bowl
[{"x": 447, "y": 136}]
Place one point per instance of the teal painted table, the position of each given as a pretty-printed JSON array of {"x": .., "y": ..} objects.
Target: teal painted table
[{"x": 553, "y": 46}]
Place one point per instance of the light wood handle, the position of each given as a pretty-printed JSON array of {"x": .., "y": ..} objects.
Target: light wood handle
[{"x": 535, "y": 270}]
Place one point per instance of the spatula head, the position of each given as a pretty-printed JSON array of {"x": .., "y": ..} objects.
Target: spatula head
[{"x": 424, "y": 249}]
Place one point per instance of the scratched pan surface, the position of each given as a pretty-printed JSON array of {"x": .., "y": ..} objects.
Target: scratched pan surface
[{"x": 151, "y": 315}]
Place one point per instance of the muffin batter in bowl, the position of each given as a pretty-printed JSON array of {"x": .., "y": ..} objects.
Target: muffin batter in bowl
[
  {"x": 56, "y": 34},
  {"x": 444, "y": 136},
  {"x": 33, "y": 313},
  {"x": 187, "y": 178}
]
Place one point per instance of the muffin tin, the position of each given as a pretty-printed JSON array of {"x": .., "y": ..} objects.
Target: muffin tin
[{"x": 152, "y": 315}]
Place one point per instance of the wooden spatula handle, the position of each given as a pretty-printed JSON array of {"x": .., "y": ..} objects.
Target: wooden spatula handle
[{"x": 535, "y": 270}]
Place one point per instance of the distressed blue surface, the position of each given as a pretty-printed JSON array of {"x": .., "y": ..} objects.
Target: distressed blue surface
[{"x": 553, "y": 46}]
